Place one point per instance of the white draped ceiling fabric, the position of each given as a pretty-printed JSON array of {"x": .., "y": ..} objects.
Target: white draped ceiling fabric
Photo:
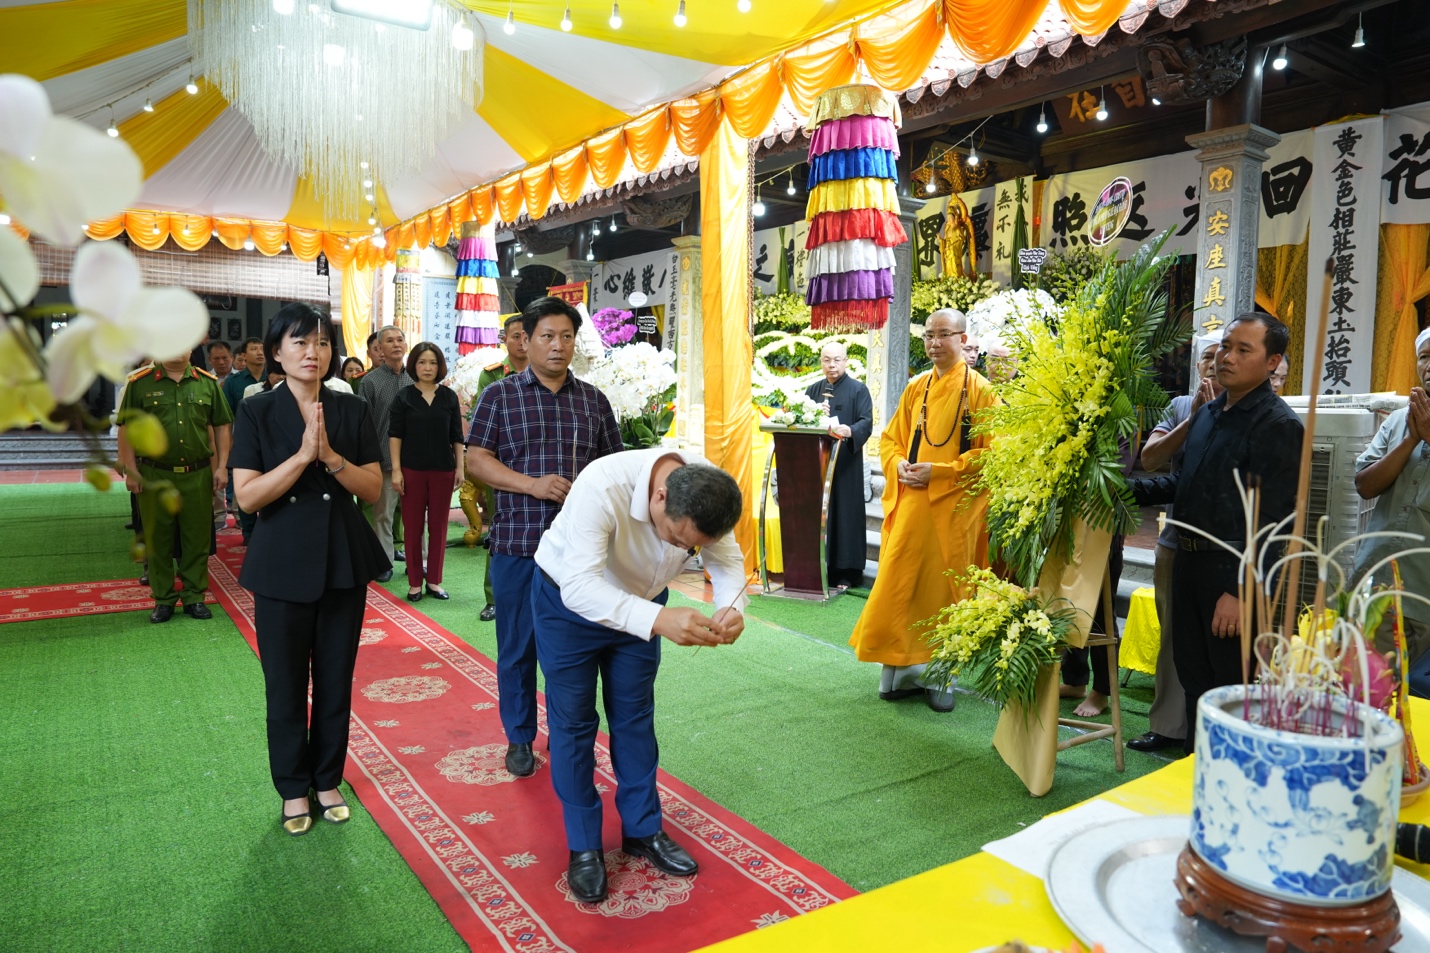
[{"x": 563, "y": 113}]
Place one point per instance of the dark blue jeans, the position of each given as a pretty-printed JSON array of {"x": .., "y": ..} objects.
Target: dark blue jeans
[
  {"x": 516, "y": 647},
  {"x": 573, "y": 650}
]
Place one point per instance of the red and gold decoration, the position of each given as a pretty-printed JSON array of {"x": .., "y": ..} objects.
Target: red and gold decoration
[
  {"x": 478, "y": 302},
  {"x": 853, "y": 207}
]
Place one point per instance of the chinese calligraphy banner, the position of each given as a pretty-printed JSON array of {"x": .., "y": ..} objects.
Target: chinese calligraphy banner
[
  {"x": 1007, "y": 197},
  {"x": 1345, "y": 227},
  {"x": 652, "y": 274},
  {"x": 1405, "y": 174},
  {"x": 1164, "y": 195},
  {"x": 766, "y": 263},
  {"x": 1285, "y": 192},
  {"x": 439, "y": 315}
]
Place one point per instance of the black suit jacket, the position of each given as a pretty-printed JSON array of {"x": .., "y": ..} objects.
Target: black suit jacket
[{"x": 312, "y": 537}]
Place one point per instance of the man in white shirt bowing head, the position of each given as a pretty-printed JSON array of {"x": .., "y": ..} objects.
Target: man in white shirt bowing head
[{"x": 630, "y": 522}]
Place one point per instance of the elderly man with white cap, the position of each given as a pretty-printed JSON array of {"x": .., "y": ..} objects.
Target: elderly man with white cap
[
  {"x": 1395, "y": 472},
  {"x": 1167, "y": 717}
]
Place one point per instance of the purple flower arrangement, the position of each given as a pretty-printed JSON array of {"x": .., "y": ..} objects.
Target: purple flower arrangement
[{"x": 615, "y": 326}]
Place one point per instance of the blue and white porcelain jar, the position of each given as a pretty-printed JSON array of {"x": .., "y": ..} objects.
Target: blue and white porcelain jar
[{"x": 1300, "y": 817}]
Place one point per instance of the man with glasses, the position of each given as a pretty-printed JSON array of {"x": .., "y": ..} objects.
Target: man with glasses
[
  {"x": 851, "y": 410},
  {"x": 934, "y": 517}
]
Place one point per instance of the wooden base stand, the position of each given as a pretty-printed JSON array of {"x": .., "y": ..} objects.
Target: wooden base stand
[{"x": 1371, "y": 927}]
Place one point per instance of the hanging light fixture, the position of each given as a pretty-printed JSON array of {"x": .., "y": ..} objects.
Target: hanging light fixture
[
  {"x": 615, "y": 20},
  {"x": 1279, "y": 63},
  {"x": 148, "y": 105},
  {"x": 1359, "y": 41},
  {"x": 972, "y": 155},
  {"x": 191, "y": 87},
  {"x": 759, "y": 207},
  {"x": 372, "y": 219},
  {"x": 379, "y": 240},
  {"x": 344, "y": 68},
  {"x": 1101, "y": 105},
  {"x": 680, "y": 14},
  {"x": 509, "y": 27},
  {"x": 248, "y": 244},
  {"x": 930, "y": 187},
  {"x": 566, "y": 19},
  {"x": 612, "y": 229},
  {"x": 590, "y": 256},
  {"x": 1042, "y": 118},
  {"x": 5, "y": 219},
  {"x": 743, "y": 6},
  {"x": 789, "y": 189},
  {"x": 113, "y": 130}
]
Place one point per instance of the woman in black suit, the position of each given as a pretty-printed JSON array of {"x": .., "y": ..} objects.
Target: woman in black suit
[{"x": 300, "y": 454}]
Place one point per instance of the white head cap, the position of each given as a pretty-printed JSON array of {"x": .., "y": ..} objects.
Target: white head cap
[
  {"x": 1203, "y": 341},
  {"x": 1421, "y": 339}
]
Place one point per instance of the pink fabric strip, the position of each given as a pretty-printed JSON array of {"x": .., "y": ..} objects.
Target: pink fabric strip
[
  {"x": 855, "y": 132},
  {"x": 477, "y": 248}
]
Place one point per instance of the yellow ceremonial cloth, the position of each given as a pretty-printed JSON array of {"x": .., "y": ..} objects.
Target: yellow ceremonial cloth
[
  {"x": 1142, "y": 636},
  {"x": 926, "y": 530},
  {"x": 846, "y": 194}
]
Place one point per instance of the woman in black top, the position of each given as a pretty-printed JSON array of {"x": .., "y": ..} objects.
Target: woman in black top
[
  {"x": 425, "y": 427},
  {"x": 300, "y": 453}
]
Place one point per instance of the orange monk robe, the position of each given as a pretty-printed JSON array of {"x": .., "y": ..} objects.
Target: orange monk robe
[{"x": 926, "y": 530}]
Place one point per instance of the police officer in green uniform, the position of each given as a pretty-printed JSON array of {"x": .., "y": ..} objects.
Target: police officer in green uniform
[
  {"x": 514, "y": 338},
  {"x": 187, "y": 401}
]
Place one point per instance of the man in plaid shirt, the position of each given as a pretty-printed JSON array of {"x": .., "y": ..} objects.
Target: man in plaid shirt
[{"x": 531, "y": 434}]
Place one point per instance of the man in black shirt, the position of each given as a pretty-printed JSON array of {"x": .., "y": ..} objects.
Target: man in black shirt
[{"x": 1247, "y": 430}]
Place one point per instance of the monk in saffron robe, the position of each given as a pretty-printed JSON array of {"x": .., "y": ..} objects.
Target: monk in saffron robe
[{"x": 934, "y": 520}]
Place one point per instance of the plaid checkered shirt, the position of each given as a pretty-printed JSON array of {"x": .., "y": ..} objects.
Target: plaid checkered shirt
[{"x": 536, "y": 433}]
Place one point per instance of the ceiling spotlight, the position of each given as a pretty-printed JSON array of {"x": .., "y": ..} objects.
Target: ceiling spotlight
[
  {"x": 1280, "y": 62},
  {"x": 156, "y": 229},
  {"x": 972, "y": 155},
  {"x": 368, "y": 196},
  {"x": 1156, "y": 101},
  {"x": 615, "y": 20},
  {"x": 113, "y": 130},
  {"x": 367, "y": 183},
  {"x": 248, "y": 244},
  {"x": 789, "y": 189},
  {"x": 191, "y": 87},
  {"x": 566, "y": 19},
  {"x": 1359, "y": 41},
  {"x": 372, "y": 219},
  {"x": 929, "y": 186},
  {"x": 596, "y": 230},
  {"x": 590, "y": 256},
  {"x": 515, "y": 247},
  {"x": 531, "y": 254},
  {"x": 148, "y": 105},
  {"x": 743, "y": 6},
  {"x": 759, "y": 207},
  {"x": 377, "y": 231},
  {"x": 515, "y": 272},
  {"x": 462, "y": 36},
  {"x": 1101, "y": 106},
  {"x": 1042, "y": 118},
  {"x": 509, "y": 27},
  {"x": 612, "y": 229},
  {"x": 680, "y": 14}
]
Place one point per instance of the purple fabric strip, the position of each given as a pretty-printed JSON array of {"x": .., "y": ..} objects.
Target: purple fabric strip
[
  {"x": 470, "y": 334},
  {"x": 855, "y": 132},
  {"x": 851, "y": 286}
]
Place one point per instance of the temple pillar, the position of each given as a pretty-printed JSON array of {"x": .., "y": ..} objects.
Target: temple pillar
[
  {"x": 689, "y": 347},
  {"x": 888, "y": 364}
]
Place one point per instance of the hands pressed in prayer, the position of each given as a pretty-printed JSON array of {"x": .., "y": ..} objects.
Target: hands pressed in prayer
[{"x": 1418, "y": 419}]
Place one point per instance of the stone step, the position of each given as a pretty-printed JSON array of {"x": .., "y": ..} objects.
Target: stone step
[{"x": 29, "y": 450}]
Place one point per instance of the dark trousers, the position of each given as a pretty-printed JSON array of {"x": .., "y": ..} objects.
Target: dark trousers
[
  {"x": 573, "y": 651},
  {"x": 1076, "y": 662},
  {"x": 1204, "y": 661},
  {"x": 516, "y": 647},
  {"x": 294, "y": 640},
  {"x": 428, "y": 497}
]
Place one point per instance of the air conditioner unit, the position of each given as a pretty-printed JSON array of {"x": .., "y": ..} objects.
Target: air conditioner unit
[{"x": 1345, "y": 426}]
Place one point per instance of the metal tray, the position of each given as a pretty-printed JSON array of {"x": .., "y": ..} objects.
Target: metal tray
[{"x": 1114, "y": 885}]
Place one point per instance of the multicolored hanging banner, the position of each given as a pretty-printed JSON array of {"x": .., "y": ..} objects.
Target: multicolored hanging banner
[{"x": 1345, "y": 227}]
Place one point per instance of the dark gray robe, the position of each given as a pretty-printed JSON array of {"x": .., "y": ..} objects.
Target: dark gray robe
[{"x": 849, "y": 400}]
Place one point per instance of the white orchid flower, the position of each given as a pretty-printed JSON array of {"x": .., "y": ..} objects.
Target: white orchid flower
[
  {"x": 25, "y": 398},
  {"x": 57, "y": 174},
  {"x": 19, "y": 272},
  {"x": 120, "y": 321}
]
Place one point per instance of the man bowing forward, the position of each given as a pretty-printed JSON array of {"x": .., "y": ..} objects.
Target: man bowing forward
[{"x": 627, "y": 528}]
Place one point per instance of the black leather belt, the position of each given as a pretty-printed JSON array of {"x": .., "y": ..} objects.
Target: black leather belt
[
  {"x": 201, "y": 465},
  {"x": 547, "y": 576},
  {"x": 1200, "y": 544}
]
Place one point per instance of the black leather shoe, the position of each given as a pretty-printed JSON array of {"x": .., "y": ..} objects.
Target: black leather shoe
[
  {"x": 415, "y": 596},
  {"x": 520, "y": 761},
  {"x": 660, "y": 850},
  {"x": 1151, "y": 741},
  {"x": 197, "y": 610},
  {"x": 586, "y": 875},
  {"x": 899, "y": 694},
  {"x": 161, "y": 613},
  {"x": 385, "y": 576},
  {"x": 144, "y": 579},
  {"x": 441, "y": 594},
  {"x": 489, "y": 612},
  {"x": 400, "y": 555}
]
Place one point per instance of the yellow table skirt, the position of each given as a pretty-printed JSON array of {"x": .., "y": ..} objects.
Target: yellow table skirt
[
  {"x": 983, "y": 901},
  {"x": 1142, "y": 636},
  {"x": 774, "y": 554}
]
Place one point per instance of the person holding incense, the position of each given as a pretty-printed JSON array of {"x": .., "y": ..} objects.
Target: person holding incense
[
  {"x": 1395, "y": 472},
  {"x": 531, "y": 434},
  {"x": 1248, "y": 430},
  {"x": 598, "y": 601}
]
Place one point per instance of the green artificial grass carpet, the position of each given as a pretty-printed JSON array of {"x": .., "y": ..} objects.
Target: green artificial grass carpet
[{"x": 64, "y": 532}]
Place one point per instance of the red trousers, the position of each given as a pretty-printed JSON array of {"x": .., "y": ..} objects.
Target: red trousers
[{"x": 427, "y": 498}]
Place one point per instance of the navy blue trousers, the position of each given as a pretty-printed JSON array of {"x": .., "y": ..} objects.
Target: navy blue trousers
[
  {"x": 516, "y": 647},
  {"x": 573, "y": 652}
]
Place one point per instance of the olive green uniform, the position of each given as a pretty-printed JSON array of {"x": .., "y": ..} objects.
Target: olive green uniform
[
  {"x": 186, "y": 408},
  {"x": 488, "y": 498}
]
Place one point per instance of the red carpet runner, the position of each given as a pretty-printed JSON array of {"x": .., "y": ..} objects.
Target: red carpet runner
[
  {"x": 426, "y": 759},
  {"x": 73, "y": 599}
]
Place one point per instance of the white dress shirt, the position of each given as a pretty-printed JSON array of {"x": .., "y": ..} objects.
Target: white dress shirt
[{"x": 604, "y": 553}]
